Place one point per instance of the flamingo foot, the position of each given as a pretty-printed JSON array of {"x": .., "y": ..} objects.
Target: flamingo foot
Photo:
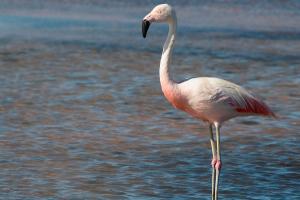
[{"x": 218, "y": 165}]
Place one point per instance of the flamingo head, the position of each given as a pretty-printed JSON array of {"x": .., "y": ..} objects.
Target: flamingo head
[{"x": 160, "y": 13}]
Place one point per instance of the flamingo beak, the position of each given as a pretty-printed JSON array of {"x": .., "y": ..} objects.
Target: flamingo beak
[{"x": 145, "y": 27}]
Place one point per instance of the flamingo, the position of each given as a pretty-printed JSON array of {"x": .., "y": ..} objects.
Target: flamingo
[{"x": 209, "y": 99}]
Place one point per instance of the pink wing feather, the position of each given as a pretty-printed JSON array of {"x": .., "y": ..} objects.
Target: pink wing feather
[
  {"x": 256, "y": 106},
  {"x": 244, "y": 102},
  {"x": 240, "y": 99}
]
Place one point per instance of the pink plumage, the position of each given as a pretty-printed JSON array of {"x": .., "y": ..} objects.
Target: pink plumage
[{"x": 255, "y": 106}]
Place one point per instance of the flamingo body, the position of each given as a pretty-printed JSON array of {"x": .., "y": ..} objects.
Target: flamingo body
[{"x": 214, "y": 100}]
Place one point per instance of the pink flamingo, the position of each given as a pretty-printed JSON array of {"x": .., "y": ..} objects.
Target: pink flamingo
[{"x": 210, "y": 99}]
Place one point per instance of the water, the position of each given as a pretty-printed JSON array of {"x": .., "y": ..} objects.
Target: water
[{"x": 83, "y": 116}]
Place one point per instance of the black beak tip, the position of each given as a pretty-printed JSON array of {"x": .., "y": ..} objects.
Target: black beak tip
[{"x": 145, "y": 27}]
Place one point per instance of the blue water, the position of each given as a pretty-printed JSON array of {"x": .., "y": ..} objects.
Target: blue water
[{"x": 82, "y": 115}]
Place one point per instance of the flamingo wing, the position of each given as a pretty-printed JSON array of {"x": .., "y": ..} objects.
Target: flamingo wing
[{"x": 240, "y": 99}]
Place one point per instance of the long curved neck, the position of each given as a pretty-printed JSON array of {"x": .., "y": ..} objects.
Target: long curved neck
[{"x": 167, "y": 84}]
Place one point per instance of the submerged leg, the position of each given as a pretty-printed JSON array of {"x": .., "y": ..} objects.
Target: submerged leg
[
  {"x": 218, "y": 164},
  {"x": 213, "y": 162}
]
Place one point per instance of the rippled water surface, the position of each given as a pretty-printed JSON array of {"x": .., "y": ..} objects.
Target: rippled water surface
[{"x": 82, "y": 115}]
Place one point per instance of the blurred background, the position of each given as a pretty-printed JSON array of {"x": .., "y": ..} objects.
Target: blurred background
[{"x": 82, "y": 115}]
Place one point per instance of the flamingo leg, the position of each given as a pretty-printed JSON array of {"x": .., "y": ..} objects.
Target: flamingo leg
[
  {"x": 218, "y": 163},
  {"x": 213, "y": 162}
]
